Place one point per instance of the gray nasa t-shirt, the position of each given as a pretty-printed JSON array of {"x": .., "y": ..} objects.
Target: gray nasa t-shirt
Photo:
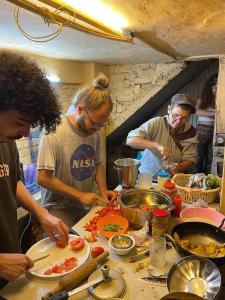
[{"x": 72, "y": 158}]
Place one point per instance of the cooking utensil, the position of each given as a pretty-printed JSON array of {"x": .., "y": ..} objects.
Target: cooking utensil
[
  {"x": 65, "y": 295},
  {"x": 72, "y": 280},
  {"x": 138, "y": 257},
  {"x": 127, "y": 170},
  {"x": 196, "y": 275},
  {"x": 181, "y": 296},
  {"x": 40, "y": 258},
  {"x": 199, "y": 233},
  {"x": 131, "y": 200}
]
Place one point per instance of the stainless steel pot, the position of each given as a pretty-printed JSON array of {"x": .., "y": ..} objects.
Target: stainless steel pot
[
  {"x": 127, "y": 170},
  {"x": 131, "y": 200}
]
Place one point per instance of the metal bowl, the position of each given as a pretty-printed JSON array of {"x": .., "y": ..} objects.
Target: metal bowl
[
  {"x": 131, "y": 200},
  {"x": 121, "y": 244},
  {"x": 196, "y": 275}
]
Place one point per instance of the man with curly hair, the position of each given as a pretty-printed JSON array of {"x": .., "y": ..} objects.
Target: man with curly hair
[{"x": 26, "y": 100}]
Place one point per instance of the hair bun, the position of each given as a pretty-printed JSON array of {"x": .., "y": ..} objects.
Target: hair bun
[{"x": 101, "y": 81}]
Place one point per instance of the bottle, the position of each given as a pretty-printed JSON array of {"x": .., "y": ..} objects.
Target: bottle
[
  {"x": 163, "y": 176},
  {"x": 177, "y": 203},
  {"x": 169, "y": 188},
  {"x": 160, "y": 220}
]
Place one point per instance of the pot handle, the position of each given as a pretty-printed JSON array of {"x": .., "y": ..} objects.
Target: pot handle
[
  {"x": 171, "y": 239},
  {"x": 222, "y": 223}
]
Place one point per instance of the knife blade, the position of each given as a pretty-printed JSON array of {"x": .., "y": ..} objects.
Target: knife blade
[{"x": 138, "y": 257}]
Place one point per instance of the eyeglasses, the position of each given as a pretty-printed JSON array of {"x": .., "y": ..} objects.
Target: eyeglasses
[
  {"x": 95, "y": 124},
  {"x": 176, "y": 116}
]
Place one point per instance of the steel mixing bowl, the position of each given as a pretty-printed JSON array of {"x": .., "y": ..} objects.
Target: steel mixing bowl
[
  {"x": 130, "y": 201},
  {"x": 195, "y": 274}
]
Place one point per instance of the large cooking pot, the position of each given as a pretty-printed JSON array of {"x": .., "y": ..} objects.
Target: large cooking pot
[
  {"x": 199, "y": 233},
  {"x": 131, "y": 200},
  {"x": 127, "y": 170}
]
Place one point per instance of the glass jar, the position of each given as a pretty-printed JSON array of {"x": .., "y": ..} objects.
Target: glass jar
[
  {"x": 163, "y": 176},
  {"x": 160, "y": 220},
  {"x": 169, "y": 188}
]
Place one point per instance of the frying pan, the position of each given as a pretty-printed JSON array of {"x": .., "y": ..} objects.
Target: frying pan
[{"x": 199, "y": 233}]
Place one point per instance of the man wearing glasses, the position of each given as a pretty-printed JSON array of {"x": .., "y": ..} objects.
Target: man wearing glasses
[
  {"x": 170, "y": 138},
  {"x": 70, "y": 160}
]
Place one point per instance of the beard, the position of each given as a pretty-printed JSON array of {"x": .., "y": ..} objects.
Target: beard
[{"x": 84, "y": 130}]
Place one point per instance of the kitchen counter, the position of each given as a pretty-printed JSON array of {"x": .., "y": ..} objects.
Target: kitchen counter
[{"x": 29, "y": 287}]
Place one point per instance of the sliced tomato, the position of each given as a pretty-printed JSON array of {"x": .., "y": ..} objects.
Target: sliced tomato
[
  {"x": 96, "y": 251},
  {"x": 77, "y": 244},
  {"x": 60, "y": 244}
]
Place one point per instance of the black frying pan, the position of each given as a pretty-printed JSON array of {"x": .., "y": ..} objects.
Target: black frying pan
[{"x": 200, "y": 233}]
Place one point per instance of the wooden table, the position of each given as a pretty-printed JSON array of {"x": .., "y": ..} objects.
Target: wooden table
[{"x": 28, "y": 287}]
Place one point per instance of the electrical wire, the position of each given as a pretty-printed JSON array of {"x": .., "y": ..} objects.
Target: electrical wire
[
  {"x": 49, "y": 18},
  {"x": 22, "y": 234}
]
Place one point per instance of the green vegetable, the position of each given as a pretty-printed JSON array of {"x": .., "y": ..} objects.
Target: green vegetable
[
  {"x": 212, "y": 181},
  {"x": 112, "y": 227}
]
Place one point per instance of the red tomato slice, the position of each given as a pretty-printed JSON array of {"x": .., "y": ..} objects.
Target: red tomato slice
[
  {"x": 96, "y": 251},
  {"x": 60, "y": 244},
  {"x": 77, "y": 244}
]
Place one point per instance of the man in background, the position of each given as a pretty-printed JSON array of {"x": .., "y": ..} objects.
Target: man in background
[
  {"x": 26, "y": 100},
  {"x": 70, "y": 160},
  {"x": 170, "y": 138}
]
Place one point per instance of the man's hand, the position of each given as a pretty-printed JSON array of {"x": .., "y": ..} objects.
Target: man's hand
[
  {"x": 174, "y": 168},
  {"x": 14, "y": 265},
  {"x": 53, "y": 226},
  {"x": 164, "y": 151},
  {"x": 111, "y": 196},
  {"x": 91, "y": 199}
]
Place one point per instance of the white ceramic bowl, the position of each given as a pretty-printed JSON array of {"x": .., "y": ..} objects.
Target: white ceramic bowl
[{"x": 121, "y": 244}]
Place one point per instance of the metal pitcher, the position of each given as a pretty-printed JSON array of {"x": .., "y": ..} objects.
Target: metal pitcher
[{"x": 127, "y": 170}]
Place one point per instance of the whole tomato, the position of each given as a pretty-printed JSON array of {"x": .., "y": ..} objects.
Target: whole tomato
[
  {"x": 77, "y": 244},
  {"x": 96, "y": 251}
]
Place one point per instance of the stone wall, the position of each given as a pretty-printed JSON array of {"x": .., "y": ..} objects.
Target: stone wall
[{"x": 132, "y": 85}]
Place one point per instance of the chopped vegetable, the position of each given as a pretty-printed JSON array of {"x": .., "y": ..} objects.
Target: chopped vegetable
[
  {"x": 112, "y": 227},
  {"x": 96, "y": 251},
  {"x": 92, "y": 225},
  {"x": 67, "y": 265},
  {"x": 77, "y": 244},
  {"x": 60, "y": 244}
]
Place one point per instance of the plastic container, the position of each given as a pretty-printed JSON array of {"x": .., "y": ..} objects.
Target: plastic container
[
  {"x": 169, "y": 188},
  {"x": 160, "y": 222},
  {"x": 163, "y": 177},
  {"x": 177, "y": 203}
]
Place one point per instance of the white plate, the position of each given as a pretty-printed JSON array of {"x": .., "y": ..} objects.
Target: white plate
[{"x": 57, "y": 255}]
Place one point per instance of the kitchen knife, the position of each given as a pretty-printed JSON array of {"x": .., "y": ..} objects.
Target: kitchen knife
[
  {"x": 40, "y": 258},
  {"x": 140, "y": 256},
  {"x": 65, "y": 295}
]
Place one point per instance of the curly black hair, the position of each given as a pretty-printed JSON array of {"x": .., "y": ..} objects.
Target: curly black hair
[{"x": 25, "y": 88}]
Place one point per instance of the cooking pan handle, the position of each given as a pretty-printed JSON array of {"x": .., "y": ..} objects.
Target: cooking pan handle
[
  {"x": 171, "y": 239},
  {"x": 222, "y": 223}
]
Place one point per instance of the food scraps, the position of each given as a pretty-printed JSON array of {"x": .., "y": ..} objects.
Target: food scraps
[
  {"x": 77, "y": 244},
  {"x": 96, "y": 251}
]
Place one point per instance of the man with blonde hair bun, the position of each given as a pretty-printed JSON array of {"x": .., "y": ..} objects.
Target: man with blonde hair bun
[{"x": 70, "y": 160}]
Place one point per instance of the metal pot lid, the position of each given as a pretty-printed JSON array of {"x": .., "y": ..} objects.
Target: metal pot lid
[
  {"x": 114, "y": 288},
  {"x": 181, "y": 296}
]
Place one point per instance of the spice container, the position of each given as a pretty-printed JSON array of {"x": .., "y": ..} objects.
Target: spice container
[
  {"x": 163, "y": 176},
  {"x": 169, "y": 188},
  {"x": 160, "y": 220},
  {"x": 177, "y": 203}
]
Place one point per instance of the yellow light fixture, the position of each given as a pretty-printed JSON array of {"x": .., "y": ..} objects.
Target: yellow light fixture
[
  {"x": 98, "y": 11},
  {"x": 90, "y": 16}
]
